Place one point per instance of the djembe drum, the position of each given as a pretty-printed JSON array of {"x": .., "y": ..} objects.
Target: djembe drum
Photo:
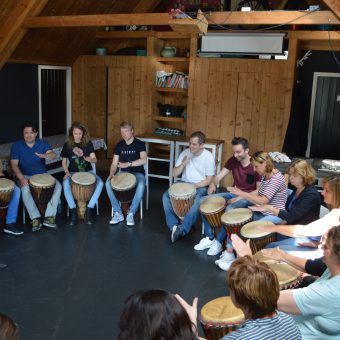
[
  {"x": 124, "y": 187},
  {"x": 42, "y": 187},
  {"x": 235, "y": 219},
  {"x": 258, "y": 239},
  {"x": 182, "y": 197},
  {"x": 83, "y": 185},
  {"x": 212, "y": 208},
  {"x": 219, "y": 317},
  {"x": 6, "y": 190},
  {"x": 288, "y": 276}
]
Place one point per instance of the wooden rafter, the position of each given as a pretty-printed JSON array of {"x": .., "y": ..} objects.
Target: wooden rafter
[
  {"x": 334, "y": 5},
  {"x": 145, "y": 6},
  {"x": 221, "y": 18},
  {"x": 11, "y": 32}
]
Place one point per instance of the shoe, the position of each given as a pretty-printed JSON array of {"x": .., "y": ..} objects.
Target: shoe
[
  {"x": 10, "y": 228},
  {"x": 129, "y": 220},
  {"x": 176, "y": 233},
  {"x": 204, "y": 244},
  {"x": 117, "y": 217},
  {"x": 215, "y": 248},
  {"x": 73, "y": 218},
  {"x": 225, "y": 256},
  {"x": 50, "y": 222},
  {"x": 225, "y": 265},
  {"x": 89, "y": 217},
  {"x": 36, "y": 224}
]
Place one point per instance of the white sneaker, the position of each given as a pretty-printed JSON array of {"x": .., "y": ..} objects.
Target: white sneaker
[
  {"x": 117, "y": 217},
  {"x": 204, "y": 244},
  {"x": 129, "y": 219},
  {"x": 225, "y": 265},
  {"x": 225, "y": 256},
  {"x": 215, "y": 248}
]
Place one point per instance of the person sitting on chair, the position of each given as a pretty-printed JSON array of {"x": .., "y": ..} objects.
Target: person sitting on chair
[
  {"x": 12, "y": 209},
  {"x": 128, "y": 155},
  {"x": 28, "y": 157},
  {"x": 197, "y": 166},
  {"x": 79, "y": 153}
]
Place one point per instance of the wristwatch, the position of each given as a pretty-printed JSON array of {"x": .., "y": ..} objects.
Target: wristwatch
[{"x": 130, "y": 164}]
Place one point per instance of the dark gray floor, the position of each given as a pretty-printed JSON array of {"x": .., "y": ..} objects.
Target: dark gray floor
[{"x": 71, "y": 283}]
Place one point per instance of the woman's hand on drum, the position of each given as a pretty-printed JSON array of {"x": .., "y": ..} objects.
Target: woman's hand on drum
[
  {"x": 266, "y": 227},
  {"x": 190, "y": 309},
  {"x": 274, "y": 253},
  {"x": 88, "y": 159},
  {"x": 235, "y": 191},
  {"x": 242, "y": 248},
  {"x": 310, "y": 244},
  {"x": 257, "y": 207},
  {"x": 233, "y": 200},
  {"x": 23, "y": 182}
]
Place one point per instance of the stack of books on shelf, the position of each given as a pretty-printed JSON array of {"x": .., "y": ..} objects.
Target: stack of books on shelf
[{"x": 173, "y": 80}]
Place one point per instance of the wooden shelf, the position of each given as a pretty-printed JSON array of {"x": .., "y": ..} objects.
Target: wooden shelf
[
  {"x": 170, "y": 89},
  {"x": 170, "y": 119},
  {"x": 172, "y": 60}
]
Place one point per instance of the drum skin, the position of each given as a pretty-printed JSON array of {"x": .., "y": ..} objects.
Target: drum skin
[
  {"x": 42, "y": 187},
  {"x": 124, "y": 186},
  {"x": 219, "y": 317},
  {"x": 82, "y": 185},
  {"x": 234, "y": 219},
  {"x": 258, "y": 239},
  {"x": 182, "y": 197},
  {"x": 212, "y": 208}
]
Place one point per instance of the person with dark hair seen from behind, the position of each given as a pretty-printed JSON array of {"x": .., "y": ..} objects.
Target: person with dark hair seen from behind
[
  {"x": 197, "y": 166},
  {"x": 28, "y": 157},
  {"x": 8, "y": 328},
  {"x": 79, "y": 153},
  {"x": 155, "y": 314},
  {"x": 129, "y": 155},
  {"x": 245, "y": 178},
  {"x": 12, "y": 209}
]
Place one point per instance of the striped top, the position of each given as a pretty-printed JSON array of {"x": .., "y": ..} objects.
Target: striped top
[
  {"x": 279, "y": 327},
  {"x": 275, "y": 190}
]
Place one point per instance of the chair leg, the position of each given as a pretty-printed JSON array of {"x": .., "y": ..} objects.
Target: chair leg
[
  {"x": 97, "y": 205},
  {"x": 141, "y": 209}
]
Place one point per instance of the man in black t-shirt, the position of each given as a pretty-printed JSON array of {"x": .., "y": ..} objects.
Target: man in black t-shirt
[{"x": 128, "y": 155}]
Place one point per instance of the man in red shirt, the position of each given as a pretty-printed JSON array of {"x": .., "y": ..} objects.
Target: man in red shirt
[{"x": 246, "y": 179}]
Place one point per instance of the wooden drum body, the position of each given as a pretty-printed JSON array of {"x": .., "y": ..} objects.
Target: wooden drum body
[
  {"x": 124, "y": 187},
  {"x": 42, "y": 187},
  {"x": 235, "y": 219},
  {"x": 288, "y": 276},
  {"x": 182, "y": 197},
  {"x": 258, "y": 239},
  {"x": 219, "y": 317},
  {"x": 82, "y": 185},
  {"x": 212, "y": 208},
  {"x": 6, "y": 190}
]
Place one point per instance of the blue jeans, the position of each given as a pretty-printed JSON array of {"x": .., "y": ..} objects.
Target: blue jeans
[
  {"x": 12, "y": 209},
  {"x": 291, "y": 246},
  {"x": 222, "y": 235},
  {"x": 140, "y": 187},
  {"x": 258, "y": 216},
  {"x": 190, "y": 218},
  {"x": 94, "y": 198}
]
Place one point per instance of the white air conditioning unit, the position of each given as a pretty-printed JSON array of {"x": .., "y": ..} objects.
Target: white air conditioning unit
[{"x": 242, "y": 43}]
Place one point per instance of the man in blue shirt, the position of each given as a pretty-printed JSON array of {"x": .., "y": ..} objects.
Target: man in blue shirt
[{"x": 28, "y": 157}]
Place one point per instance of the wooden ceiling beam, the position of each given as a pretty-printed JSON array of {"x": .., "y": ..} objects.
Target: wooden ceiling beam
[
  {"x": 220, "y": 18},
  {"x": 145, "y": 6},
  {"x": 314, "y": 35},
  {"x": 334, "y": 5},
  {"x": 11, "y": 32}
]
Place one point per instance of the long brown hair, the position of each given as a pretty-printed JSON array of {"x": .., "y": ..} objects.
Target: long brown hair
[
  {"x": 8, "y": 328},
  {"x": 84, "y": 139},
  {"x": 334, "y": 186}
]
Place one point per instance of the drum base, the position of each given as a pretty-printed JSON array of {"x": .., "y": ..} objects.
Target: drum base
[
  {"x": 3, "y": 213},
  {"x": 125, "y": 208},
  {"x": 81, "y": 208}
]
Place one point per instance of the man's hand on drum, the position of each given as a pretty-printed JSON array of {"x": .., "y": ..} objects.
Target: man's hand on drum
[
  {"x": 23, "y": 181},
  {"x": 233, "y": 200},
  {"x": 212, "y": 188},
  {"x": 123, "y": 165},
  {"x": 190, "y": 309},
  {"x": 257, "y": 207},
  {"x": 273, "y": 253},
  {"x": 42, "y": 155},
  {"x": 235, "y": 191},
  {"x": 242, "y": 248}
]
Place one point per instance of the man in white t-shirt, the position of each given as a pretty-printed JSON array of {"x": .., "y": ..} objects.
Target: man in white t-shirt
[{"x": 197, "y": 166}]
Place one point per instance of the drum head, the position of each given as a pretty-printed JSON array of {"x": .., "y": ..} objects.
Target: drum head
[
  {"x": 123, "y": 181},
  {"x": 221, "y": 310},
  {"x": 285, "y": 273},
  {"x": 237, "y": 216},
  {"x": 83, "y": 178},
  {"x": 6, "y": 184},
  {"x": 250, "y": 229},
  {"x": 42, "y": 180},
  {"x": 212, "y": 204},
  {"x": 182, "y": 190}
]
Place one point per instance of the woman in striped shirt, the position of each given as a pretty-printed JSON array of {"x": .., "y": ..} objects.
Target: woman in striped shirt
[{"x": 272, "y": 190}]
